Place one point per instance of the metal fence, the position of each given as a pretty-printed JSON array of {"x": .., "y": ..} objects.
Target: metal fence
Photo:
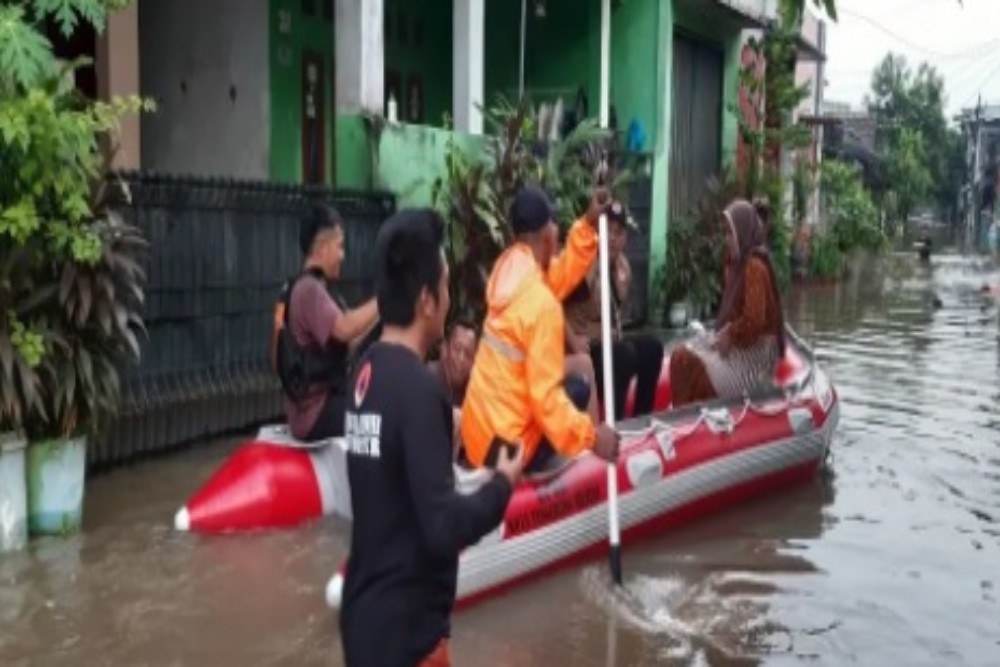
[
  {"x": 640, "y": 203},
  {"x": 220, "y": 251}
]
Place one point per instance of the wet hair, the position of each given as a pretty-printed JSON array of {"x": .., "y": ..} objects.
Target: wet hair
[
  {"x": 318, "y": 219},
  {"x": 408, "y": 258},
  {"x": 463, "y": 323}
]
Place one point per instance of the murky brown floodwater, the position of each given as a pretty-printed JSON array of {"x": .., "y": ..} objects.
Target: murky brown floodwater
[{"x": 891, "y": 559}]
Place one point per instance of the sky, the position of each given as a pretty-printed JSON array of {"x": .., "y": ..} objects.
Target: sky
[{"x": 961, "y": 40}]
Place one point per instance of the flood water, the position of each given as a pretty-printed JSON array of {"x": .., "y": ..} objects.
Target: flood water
[{"x": 892, "y": 557}]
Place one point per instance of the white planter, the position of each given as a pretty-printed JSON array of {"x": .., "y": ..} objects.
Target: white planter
[
  {"x": 13, "y": 496},
  {"x": 678, "y": 314},
  {"x": 56, "y": 470}
]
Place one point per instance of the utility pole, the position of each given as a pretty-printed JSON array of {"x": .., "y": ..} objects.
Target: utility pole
[{"x": 977, "y": 170}]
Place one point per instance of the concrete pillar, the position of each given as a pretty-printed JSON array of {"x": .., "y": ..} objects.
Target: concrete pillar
[
  {"x": 467, "y": 38},
  {"x": 360, "y": 57},
  {"x": 117, "y": 64}
]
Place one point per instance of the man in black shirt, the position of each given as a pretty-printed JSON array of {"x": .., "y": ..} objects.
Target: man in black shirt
[{"x": 409, "y": 522}]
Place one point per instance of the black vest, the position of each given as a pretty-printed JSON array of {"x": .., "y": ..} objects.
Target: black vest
[{"x": 302, "y": 367}]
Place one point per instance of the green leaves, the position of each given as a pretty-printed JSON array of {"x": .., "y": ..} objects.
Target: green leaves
[
  {"x": 25, "y": 56},
  {"x": 19, "y": 221},
  {"x": 921, "y": 158},
  {"x": 853, "y": 218},
  {"x": 71, "y": 283},
  {"x": 475, "y": 195},
  {"x": 68, "y": 13}
]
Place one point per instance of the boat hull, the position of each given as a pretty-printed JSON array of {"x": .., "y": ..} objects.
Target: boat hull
[{"x": 664, "y": 481}]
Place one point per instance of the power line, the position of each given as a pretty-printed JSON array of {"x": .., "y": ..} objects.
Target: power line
[
  {"x": 971, "y": 52},
  {"x": 978, "y": 89}
]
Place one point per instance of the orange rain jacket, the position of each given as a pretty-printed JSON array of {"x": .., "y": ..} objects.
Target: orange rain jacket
[{"x": 516, "y": 388}]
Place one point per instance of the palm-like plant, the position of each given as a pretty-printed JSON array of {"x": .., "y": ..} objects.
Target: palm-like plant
[
  {"x": 22, "y": 337},
  {"x": 476, "y": 193},
  {"x": 95, "y": 317}
]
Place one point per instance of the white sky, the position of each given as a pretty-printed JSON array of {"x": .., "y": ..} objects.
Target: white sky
[{"x": 963, "y": 43}]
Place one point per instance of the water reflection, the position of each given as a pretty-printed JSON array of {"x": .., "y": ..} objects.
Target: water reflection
[{"x": 891, "y": 558}]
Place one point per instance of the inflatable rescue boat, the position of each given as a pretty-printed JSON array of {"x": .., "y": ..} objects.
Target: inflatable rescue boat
[{"x": 674, "y": 467}]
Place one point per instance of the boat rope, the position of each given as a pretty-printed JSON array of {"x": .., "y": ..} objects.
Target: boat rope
[{"x": 718, "y": 420}]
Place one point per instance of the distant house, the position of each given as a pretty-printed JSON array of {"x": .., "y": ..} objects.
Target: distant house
[{"x": 981, "y": 128}]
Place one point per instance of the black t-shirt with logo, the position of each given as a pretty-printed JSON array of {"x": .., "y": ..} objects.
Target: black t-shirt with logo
[{"x": 409, "y": 522}]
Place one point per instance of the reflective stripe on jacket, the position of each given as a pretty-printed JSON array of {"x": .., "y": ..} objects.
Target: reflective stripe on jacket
[{"x": 516, "y": 390}]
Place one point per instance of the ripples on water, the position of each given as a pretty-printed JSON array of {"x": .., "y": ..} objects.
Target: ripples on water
[{"x": 890, "y": 558}]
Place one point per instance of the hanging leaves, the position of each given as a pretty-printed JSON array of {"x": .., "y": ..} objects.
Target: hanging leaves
[{"x": 71, "y": 283}]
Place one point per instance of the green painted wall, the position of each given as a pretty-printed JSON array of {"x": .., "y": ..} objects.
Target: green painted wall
[
  {"x": 563, "y": 52},
  {"x": 290, "y": 32},
  {"x": 353, "y": 154},
  {"x": 418, "y": 43},
  {"x": 407, "y": 158},
  {"x": 635, "y": 65},
  {"x": 412, "y": 157},
  {"x": 661, "y": 157}
]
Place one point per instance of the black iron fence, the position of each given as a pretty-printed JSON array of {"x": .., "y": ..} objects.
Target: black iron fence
[
  {"x": 220, "y": 251},
  {"x": 640, "y": 202}
]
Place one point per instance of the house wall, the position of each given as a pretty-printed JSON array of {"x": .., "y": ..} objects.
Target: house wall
[
  {"x": 418, "y": 49},
  {"x": 291, "y": 34},
  {"x": 210, "y": 85},
  {"x": 562, "y": 56}
]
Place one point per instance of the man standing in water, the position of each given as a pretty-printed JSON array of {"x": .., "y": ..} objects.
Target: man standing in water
[{"x": 409, "y": 521}]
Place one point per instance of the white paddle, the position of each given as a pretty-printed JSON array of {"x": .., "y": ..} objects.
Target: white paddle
[{"x": 614, "y": 539}]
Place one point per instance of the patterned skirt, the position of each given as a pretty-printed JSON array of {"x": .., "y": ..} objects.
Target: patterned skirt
[{"x": 745, "y": 371}]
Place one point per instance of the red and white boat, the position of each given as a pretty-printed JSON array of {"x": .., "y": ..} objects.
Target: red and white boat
[{"x": 675, "y": 466}]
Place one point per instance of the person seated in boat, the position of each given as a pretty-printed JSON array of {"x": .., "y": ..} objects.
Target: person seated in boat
[
  {"x": 453, "y": 368},
  {"x": 517, "y": 392},
  {"x": 741, "y": 356},
  {"x": 410, "y": 522},
  {"x": 636, "y": 356},
  {"x": 317, "y": 332}
]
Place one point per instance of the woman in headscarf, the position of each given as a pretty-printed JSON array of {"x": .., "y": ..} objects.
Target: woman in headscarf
[{"x": 741, "y": 356}]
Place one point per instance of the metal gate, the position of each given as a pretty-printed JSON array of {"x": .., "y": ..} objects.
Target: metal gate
[
  {"x": 219, "y": 252},
  {"x": 696, "y": 121}
]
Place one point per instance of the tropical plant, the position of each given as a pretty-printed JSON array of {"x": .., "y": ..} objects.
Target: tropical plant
[
  {"x": 766, "y": 128},
  {"x": 852, "y": 216},
  {"x": 825, "y": 260},
  {"x": 696, "y": 246},
  {"x": 95, "y": 319},
  {"x": 779, "y": 229},
  {"x": 476, "y": 191},
  {"x": 52, "y": 152},
  {"x": 802, "y": 185},
  {"x": 21, "y": 345}
]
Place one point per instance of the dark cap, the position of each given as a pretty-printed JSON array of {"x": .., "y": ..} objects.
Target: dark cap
[
  {"x": 618, "y": 213},
  {"x": 530, "y": 211}
]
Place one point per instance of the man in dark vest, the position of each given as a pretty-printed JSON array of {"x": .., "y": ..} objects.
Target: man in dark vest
[{"x": 318, "y": 332}]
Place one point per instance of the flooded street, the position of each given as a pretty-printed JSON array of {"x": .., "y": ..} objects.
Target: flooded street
[{"x": 892, "y": 557}]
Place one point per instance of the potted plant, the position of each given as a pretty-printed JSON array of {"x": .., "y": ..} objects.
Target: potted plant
[
  {"x": 692, "y": 276},
  {"x": 74, "y": 303},
  {"x": 21, "y": 348},
  {"x": 94, "y": 320}
]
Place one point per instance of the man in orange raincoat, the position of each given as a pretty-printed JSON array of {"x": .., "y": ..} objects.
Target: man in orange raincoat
[{"x": 516, "y": 394}]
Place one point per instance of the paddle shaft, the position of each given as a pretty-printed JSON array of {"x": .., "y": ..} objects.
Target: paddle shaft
[
  {"x": 614, "y": 538},
  {"x": 609, "y": 401}
]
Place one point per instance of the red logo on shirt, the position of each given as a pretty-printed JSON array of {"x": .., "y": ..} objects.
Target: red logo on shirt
[{"x": 361, "y": 386}]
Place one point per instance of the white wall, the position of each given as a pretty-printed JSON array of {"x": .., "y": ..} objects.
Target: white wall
[{"x": 193, "y": 55}]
